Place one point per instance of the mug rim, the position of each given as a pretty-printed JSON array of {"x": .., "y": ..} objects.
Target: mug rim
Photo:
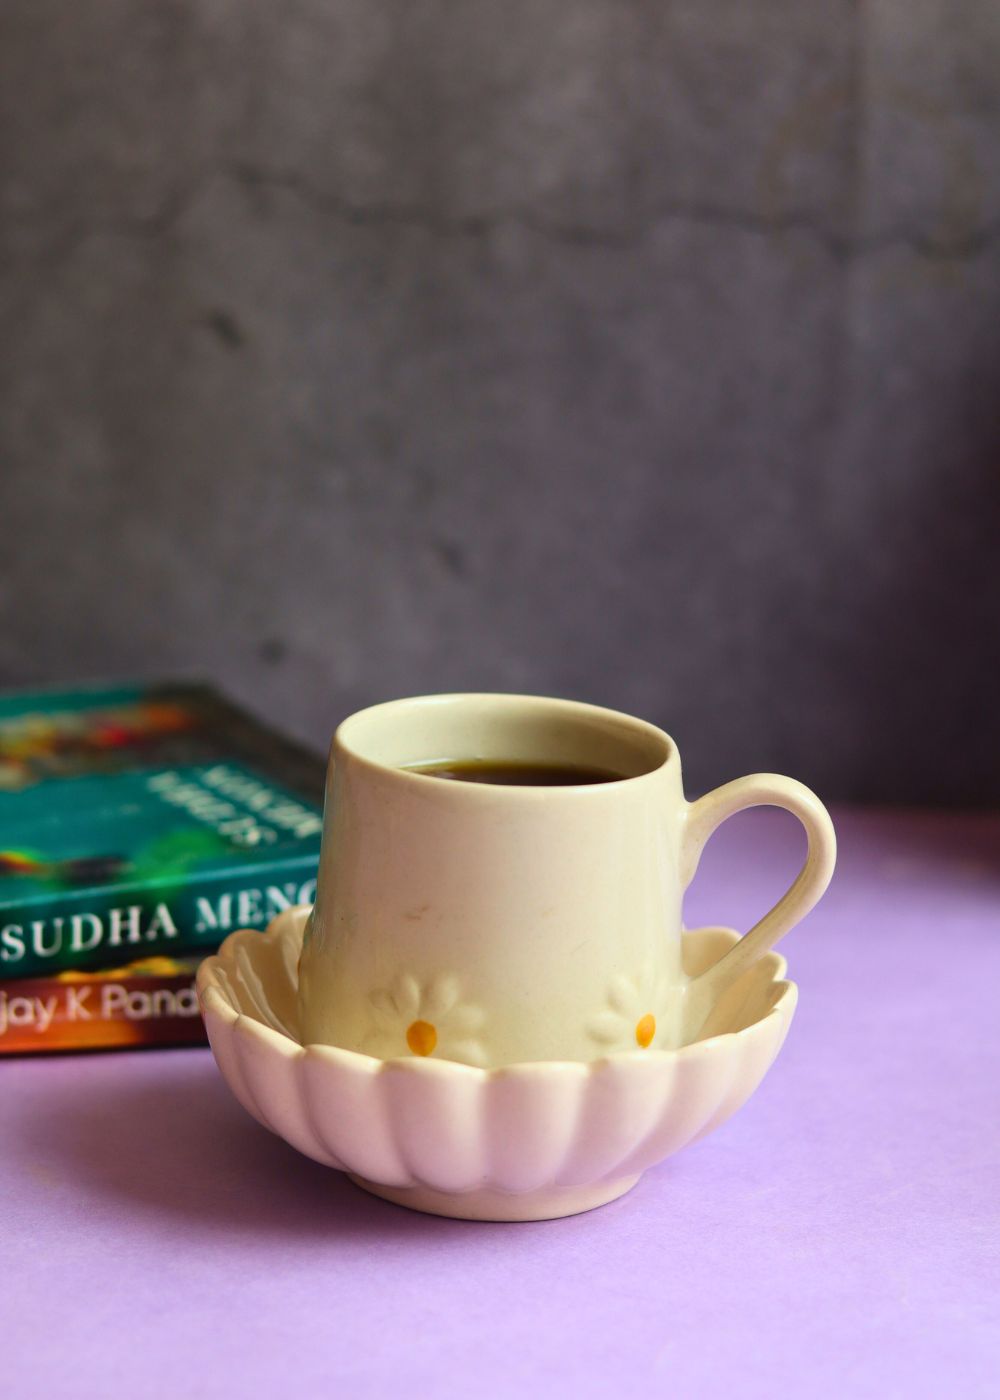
[{"x": 660, "y": 744}]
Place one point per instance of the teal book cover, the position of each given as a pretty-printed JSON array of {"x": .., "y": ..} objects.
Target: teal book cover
[{"x": 145, "y": 819}]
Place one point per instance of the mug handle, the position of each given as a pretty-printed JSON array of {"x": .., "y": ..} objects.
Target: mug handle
[{"x": 709, "y": 812}]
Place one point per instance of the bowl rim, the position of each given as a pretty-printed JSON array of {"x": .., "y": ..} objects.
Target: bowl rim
[{"x": 216, "y": 999}]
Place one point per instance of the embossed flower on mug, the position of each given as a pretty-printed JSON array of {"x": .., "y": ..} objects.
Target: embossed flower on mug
[
  {"x": 425, "y": 1019},
  {"x": 635, "y": 1011}
]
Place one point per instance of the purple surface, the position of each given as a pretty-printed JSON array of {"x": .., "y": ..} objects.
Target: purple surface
[{"x": 838, "y": 1237}]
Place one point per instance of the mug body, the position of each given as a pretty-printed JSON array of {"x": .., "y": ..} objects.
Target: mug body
[{"x": 493, "y": 924}]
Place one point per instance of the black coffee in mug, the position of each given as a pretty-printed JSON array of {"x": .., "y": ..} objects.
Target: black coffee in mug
[{"x": 510, "y": 772}]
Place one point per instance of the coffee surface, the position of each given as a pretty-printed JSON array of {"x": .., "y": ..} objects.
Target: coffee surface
[{"x": 514, "y": 774}]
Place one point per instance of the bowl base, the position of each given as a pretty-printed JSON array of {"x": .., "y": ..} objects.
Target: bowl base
[{"x": 500, "y": 1205}]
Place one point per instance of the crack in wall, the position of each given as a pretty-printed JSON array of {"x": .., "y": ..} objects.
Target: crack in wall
[{"x": 844, "y": 248}]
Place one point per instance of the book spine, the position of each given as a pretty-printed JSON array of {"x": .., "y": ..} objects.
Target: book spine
[
  {"x": 45, "y": 1014},
  {"x": 92, "y": 928}
]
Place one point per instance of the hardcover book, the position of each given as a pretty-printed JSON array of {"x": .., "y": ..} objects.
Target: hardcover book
[{"x": 144, "y": 820}]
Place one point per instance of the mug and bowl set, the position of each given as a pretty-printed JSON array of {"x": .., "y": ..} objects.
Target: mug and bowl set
[{"x": 493, "y": 1010}]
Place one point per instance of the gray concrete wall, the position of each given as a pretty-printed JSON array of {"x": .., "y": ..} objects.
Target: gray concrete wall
[{"x": 646, "y": 351}]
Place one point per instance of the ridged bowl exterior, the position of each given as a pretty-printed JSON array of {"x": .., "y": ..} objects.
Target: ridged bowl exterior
[{"x": 442, "y": 1127}]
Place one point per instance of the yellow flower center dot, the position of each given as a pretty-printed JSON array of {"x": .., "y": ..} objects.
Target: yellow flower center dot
[
  {"x": 422, "y": 1038},
  {"x": 645, "y": 1030}
]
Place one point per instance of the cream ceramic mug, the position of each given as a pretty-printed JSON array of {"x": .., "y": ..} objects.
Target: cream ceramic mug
[{"x": 496, "y": 924}]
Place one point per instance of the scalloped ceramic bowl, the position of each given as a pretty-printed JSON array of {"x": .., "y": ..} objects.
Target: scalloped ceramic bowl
[{"x": 523, "y": 1142}]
